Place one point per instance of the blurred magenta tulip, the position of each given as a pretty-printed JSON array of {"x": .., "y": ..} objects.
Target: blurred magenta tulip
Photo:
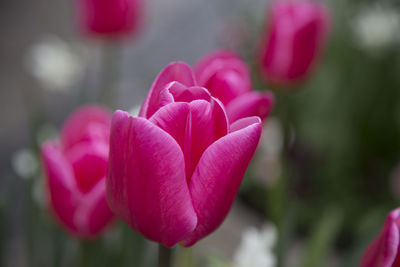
[
  {"x": 384, "y": 250},
  {"x": 227, "y": 78},
  {"x": 75, "y": 170},
  {"x": 174, "y": 171},
  {"x": 109, "y": 18},
  {"x": 295, "y": 35}
]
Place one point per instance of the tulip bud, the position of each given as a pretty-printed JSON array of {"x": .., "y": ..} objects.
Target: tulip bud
[
  {"x": 295, "y": 35},
  {"x": 109, "y": 18},
  {"x": 384, "y": 250},
  {"x": 227, "y": 77},
  {"x": 174, "y": 171},
  {"x": 75, "y": 169}
]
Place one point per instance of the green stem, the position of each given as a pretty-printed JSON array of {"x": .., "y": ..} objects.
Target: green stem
[{"x": 164, "y": 256}]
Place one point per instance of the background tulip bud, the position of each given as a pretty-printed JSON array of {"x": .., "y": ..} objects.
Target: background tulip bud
[
  {"x": 174, "y": 171},
  {"x": 384, "y": 250},
  {"x": 295, "y": 35},
  {"x": 227, "y": 77},
  {"x": 109, "y": 18},
  {"x": 75, "y": 170}
]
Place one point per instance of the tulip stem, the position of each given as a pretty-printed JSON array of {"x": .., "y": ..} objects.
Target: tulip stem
[{"x": 164, "y": 256}]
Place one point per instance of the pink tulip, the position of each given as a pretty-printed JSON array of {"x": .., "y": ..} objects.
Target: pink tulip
[
  {"x": 75, "y": 168},
  {"x": 227, "y": 78},
  {"x": 174, "y": 171},
  {"x": 109, "y": 18},
  {"x": 384, "y": 250},
  {"x": 295, "y": 36}
]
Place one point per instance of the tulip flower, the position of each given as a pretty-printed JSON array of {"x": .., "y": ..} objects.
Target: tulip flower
[
  {"x": 109, "y": 18},
  {"x": 75, "y": 168},
  {"x": 384, "y": 250},
  {"x": 174, "y": 170},
  {"x": 295, "y": 35},
  {"x": 227, "y": 78}
]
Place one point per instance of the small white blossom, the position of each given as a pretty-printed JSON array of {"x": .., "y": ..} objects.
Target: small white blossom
[
  {"x": 55, "y": 63},
  {"x": 256, "y": 248},
  {"x": 376, "y": 27},
  {"x": 24, "y": 163}
]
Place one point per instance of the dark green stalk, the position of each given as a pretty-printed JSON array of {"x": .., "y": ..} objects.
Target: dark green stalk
[{"x": 164, "y": 256}]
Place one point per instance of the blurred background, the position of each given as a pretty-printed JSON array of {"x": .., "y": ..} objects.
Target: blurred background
[{"x": 324, "y": 177}]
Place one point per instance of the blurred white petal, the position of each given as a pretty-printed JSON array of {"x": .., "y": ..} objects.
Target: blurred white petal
[
  {"x": 376, "y": 28},
  {"x": 24, "y": 163},
  {"x": 55, "y": 63},
  {"x": 256, "y": 248}
]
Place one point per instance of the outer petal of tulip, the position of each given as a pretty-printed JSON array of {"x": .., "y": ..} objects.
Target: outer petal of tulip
[
  {"x": 207, "y": 66},
  {"x": 384, "y": 250},
  {"x": 61, "y": 185},
  {"x": 91, "y": 216},
  {"x": 174, "y": 72},
  {"x": 250, "y": 104},
  {"x": 146, "y": 184},
  {"x": 224, "y": 74},
  {"x": 88, "y": 123},
  {"x": 217, "y": 177}
]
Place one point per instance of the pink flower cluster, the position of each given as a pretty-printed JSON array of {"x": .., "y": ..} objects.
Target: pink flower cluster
[{"x": 173, "y": 171}]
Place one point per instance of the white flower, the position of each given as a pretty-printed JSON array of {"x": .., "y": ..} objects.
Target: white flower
[
  {"x": 55, "y": 63},
  {"x": 256, "y": 248},
  {"x": 24, "y": 163},
  {"x": 377, "y": 27}
]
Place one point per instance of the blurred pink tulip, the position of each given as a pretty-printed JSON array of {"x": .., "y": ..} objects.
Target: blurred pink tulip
[
  {"x": 174, "y": 171},
  {"x": 75, "y": 170},
  {"x": 384, "y": 250},
  {"x": 295, "y": 35},
  {"x": 227, "y": 78},
  {"x": 109, "y": 18}
]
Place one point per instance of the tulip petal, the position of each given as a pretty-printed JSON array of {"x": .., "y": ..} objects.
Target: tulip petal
[
  {"x": 217, "y": 178},
  {"x": 243, "y": 123},
  {"x": 189, "y": 94},
  {"x": 175, "y": 71},
  {"x": 86, "y": 124},
  {"x": 250, "y": 104},
  {"x": 227, "y": 84},
  {"x": 383, "y": 250},
  {"x": 93, "y": 214},
  {"x": 61, "y": 185},
  {"x": 224, "y": 74},
  {"x": 172, "y": 118},
  {"x": 89, "y": 161},
  {"x": 146, "y": 184},
  {"x": 207, "y": 66},
  {"x": 207, "y": 123}
]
